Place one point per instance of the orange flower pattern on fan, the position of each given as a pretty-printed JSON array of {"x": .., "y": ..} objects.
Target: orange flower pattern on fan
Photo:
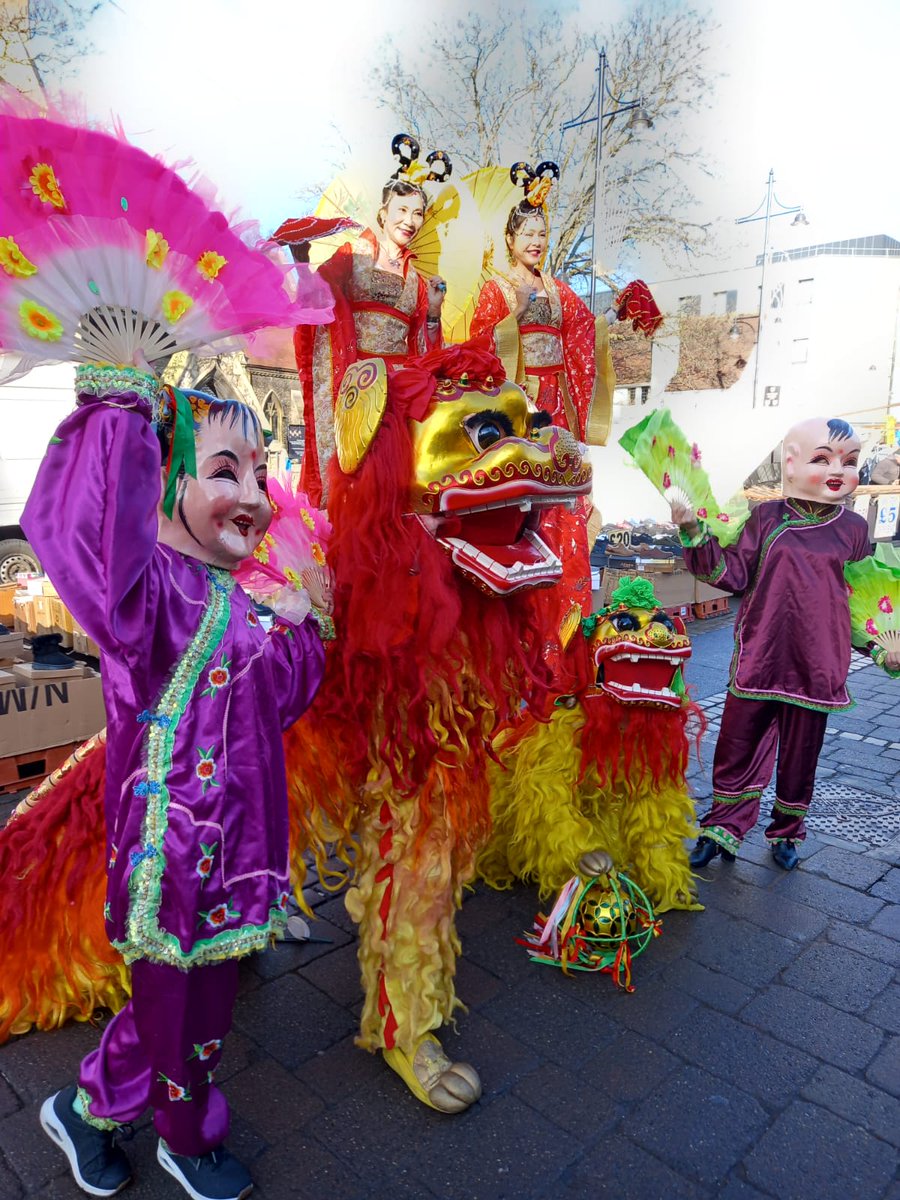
[
  {"x": 209, "y": 264},
  {"x": 39, "y": 322},
  {"x": 13, "y": 261},
  {"x": 156, "y": 248},
  {"x": 175, "y": 304},
  {"x": 44, "y": 185},
  {"x": 318, "y": 554}
]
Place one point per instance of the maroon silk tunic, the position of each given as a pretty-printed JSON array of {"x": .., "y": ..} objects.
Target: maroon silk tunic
[{"x": 792, "y": 635}]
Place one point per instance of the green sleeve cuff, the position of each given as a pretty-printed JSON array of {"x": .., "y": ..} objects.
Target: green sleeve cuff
[{"x": 691, "y": 543}]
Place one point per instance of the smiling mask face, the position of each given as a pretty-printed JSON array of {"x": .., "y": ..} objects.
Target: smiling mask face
[
  {"x": 221, "y": 516},
  {"x": 820, "y": 461}
]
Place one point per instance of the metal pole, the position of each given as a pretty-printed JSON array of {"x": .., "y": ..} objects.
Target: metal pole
[
  {"x": 762, "y": 281},
  {"x": 598, "y": 185}
]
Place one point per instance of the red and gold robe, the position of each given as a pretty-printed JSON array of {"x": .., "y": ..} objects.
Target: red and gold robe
[{"x": 377, "y": 313}]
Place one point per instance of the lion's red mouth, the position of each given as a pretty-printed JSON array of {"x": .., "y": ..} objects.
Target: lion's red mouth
[
  {"x": 499, "y": 543},
  {"x": 636, "y": 674}
]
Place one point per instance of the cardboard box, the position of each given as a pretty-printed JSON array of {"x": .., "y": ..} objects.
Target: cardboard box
[
  {"x": 83, "y": 644},
  {"x": 34, "y": 716},
  {"x": 12, "y": 648},
  {"x": 30, "y": 673},
  {"x": 675, "y": 589},
  {"x": 7, "y": 608},
  {"x": 703, "y": 591},
  {"x": 43, "y": 618},
  {"x": 7, "y": 678}
]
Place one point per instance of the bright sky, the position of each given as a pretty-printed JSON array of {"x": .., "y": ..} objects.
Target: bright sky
[{"x": 267, "y": 95}]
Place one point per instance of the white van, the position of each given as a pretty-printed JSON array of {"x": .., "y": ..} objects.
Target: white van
[{"x": 30, "y": 410}]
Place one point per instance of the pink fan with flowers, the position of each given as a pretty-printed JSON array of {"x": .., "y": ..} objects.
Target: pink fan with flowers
[
  {"x": 107, "y": 255},
  {"x": 292, "y": 554}
]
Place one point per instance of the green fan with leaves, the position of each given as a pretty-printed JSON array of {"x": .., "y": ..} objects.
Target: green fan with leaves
[
  {"x": 874, "y": 588},
  {"x": 672, "y": 464}
]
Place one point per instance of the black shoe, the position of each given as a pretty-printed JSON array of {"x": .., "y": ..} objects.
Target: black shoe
[
  {"x": 705, "y": 851},
  {"x": 785, "y": 854},
  {"x": 48, "y": 654},
  {"x": 216, "y": 1175},
  {"x": 98, "y": 1164}
]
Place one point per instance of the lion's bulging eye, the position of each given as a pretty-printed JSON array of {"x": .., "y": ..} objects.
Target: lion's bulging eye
[{"x": 487, "y": 428}]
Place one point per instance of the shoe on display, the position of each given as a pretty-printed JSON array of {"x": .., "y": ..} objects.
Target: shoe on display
[
  {"x": 216, "y": 1175},
  {"x": 785, "y": 854},
  {"x": 99, "y": 1166}
]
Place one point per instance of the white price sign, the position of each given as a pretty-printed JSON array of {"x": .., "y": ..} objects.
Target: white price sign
[{"x": 886, "y": 517}]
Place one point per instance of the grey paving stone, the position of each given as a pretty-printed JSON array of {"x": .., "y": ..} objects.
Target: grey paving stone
[
  {"x": 29, "y": 1153},
  {"x": 654, "y": 1007},
  {"x": 272, "y": 1101},
  {"x": 498, "y": 1053},
  {"x": 887, "y": 922},
  {"x": 843, "y": 978},
  {"x": 551, "y": 1021},
  {"x": 884, "y": 1010},
  {"x": 303, "y": 1169},
  {"x": 764, "y": 907},
  {"x": 617, "y": 1169},
  {"x": 884, "y": 1070},
  {"x": 342, "y": 1069},
  {"x": 829, "y": 1034},
  {"x": 38, "y": 1064},
  {"x": 827, "y": 896},
  {"x": 698, "y": 1124},
  {"x": 736, "y": 1189},
  {"x": 888, "y": 888},
  {"x": 841, "y": 866},
  {"x": 9, "y": 1101},
  {"x": 337, "y": 975},
  {"x": 857, "y": 1102},
  {"x": 809, "y": 1152},
  {"x": 291, "y": 1019},
  {"x": 475, "y": 986},
  {"x": 585, "y": 1106},
  {"x": 873, "y": 945},
  {"x": 711, "y": 987},
  {"x": 509, "y": 1153},
  {"x": 630, "y": 1067},
  {"x": 238, "y": 1052},
  {"x": 750, "y": 1060},
  {"x": 740, "y": 949},
  {"x": 10, "y": 1187},
  {"x": 291, "y": 956}
]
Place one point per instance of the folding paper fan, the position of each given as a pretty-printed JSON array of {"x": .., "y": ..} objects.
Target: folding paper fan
[
  {"x": 494, "y": 195},
  {"x": 874, "y": 589},
  {"x": 107, "y": 255},
  {"x": 672, "y": 464},
  {"x": 292, "y": 554}
]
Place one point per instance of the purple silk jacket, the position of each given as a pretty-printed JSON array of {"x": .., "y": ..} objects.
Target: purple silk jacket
[
  {"x": 792, "y": 634},
  {"x": 196, "y": 694}
]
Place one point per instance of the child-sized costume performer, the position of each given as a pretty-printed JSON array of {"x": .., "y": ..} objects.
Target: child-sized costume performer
[
  {"x": 602, "y": 783},
  {"x": 196, "y": 697},
  {"x": 792, "y": 638},
  {"x": 436, "y": 544}
]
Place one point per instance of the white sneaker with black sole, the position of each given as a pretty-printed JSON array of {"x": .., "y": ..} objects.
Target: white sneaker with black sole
[
  {"x": 216, "y": 1175},
  {"x": 99, "y": 1166}
]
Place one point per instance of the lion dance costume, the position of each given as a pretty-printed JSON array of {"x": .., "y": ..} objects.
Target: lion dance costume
[{"x": 607, "y": 772}]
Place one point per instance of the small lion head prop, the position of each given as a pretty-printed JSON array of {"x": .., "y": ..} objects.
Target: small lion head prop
[{"x": 638, "y": 649}]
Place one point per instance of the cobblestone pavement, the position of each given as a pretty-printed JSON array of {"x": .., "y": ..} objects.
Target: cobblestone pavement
[{"x": 759, "y": 1055}]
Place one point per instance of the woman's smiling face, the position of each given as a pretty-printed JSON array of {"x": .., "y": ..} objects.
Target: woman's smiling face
[{"x": 221, "y": 516}]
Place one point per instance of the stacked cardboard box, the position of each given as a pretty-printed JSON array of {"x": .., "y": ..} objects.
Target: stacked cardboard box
[{"x": 37, "y": 712}]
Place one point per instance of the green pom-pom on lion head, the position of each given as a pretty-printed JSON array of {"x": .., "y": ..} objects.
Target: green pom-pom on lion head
[{"x": 635, "y": 593}]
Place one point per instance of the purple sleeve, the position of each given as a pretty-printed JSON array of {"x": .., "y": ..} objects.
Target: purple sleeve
[
  {"x": 732, "y": 568},
  {"x": 297, "y": 659},
  {"x": 91, "y": 517}
]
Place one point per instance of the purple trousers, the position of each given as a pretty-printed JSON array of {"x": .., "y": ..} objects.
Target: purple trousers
[
  {"x": 752, "y": 733},
  {"x": 161, "y": 1051}
]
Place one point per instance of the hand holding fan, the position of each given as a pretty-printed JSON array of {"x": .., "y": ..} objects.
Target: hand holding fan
[
  {"x": 874, "y": 589},
  {"x": 108, "y": 256},
  {"x": 672, "y": 464}
]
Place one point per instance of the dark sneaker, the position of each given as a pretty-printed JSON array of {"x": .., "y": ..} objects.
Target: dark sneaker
[
  {"x": 785, "y": 854},
  {"x": 98, "y": 1164},
  {"x": 216, "y": 1175},
  {"x": 705, "y": 851}
]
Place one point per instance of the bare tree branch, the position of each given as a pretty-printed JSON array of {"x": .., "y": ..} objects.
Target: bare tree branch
[{"x": 40, "y": 42}]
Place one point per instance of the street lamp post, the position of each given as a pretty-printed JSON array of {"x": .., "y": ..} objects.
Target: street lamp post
[
  {"x": 640, "y": 119},
  {"x": 782, "y": 210}
]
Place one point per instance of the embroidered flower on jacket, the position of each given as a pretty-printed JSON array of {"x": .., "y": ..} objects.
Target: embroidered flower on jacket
[
  {"x": 205, "y": 769},
  {"x": 205, "y": 862},
  {"x": 219, "y": 915},
  {"x": 39, "y": 322},
  {"x": 205, "y": 1050},
  {"x": 252, "y": 618},
  {"x": 156, "y": 249},
  {"x": 175, "y": 1090},
  {"x": 218, "y": 677},
  {"x": 13, "y": 261},
  {"x": 44, "y": 185},
  {"x": 209, "y": 264}
]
